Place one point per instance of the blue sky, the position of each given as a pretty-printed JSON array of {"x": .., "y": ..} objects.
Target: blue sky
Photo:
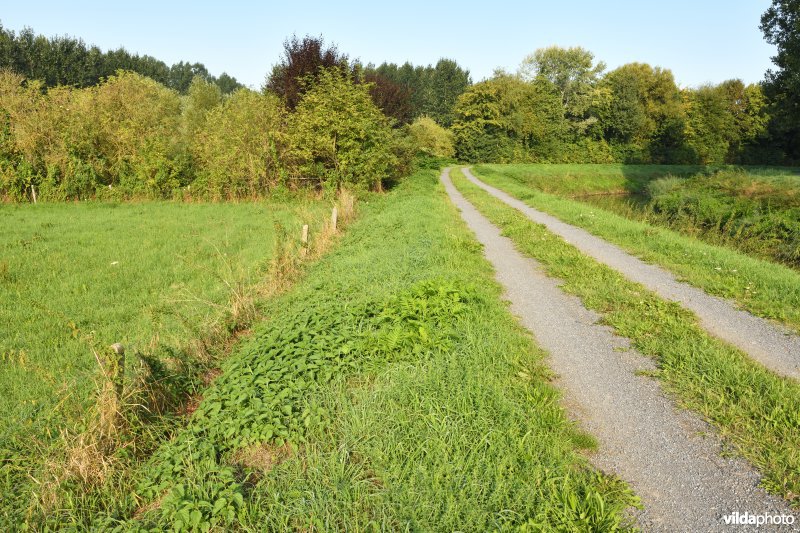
[{"x": 700, "y": 41}]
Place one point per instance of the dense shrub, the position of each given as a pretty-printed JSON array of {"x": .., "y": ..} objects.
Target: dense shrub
[
  {"x": 338, "y": 135},
  {"x": 70, "y": 143},
  {"x": 240, "y": 148},
  {"x": 132, "y": 137},
  {"x": 756, "y": 213},
  {"x": 431, "y": 138}
]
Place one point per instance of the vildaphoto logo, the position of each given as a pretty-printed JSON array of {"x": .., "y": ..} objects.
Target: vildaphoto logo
[{"x": 750, "y": 519}]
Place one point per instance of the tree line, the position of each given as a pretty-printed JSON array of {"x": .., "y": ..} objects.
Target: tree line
[
  {"x": 71, "y": 129},
  {"x": 65, "y": 60},
  {"x": 314, "y": 123},
  {"x": 561, "y": 106}
]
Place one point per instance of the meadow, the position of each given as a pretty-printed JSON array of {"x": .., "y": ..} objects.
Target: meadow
[
  {"x": 169, "y": 281},
  {"x": 358, "y": 401},
  {"x": 371, "y": 378},
  {"x": 360, "y": 389}
]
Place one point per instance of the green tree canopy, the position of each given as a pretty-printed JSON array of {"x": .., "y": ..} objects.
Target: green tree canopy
[
  {"x": 574, "y": 74},
  {"x": 65, "y": 60},
  {"x": 645, "y": 107},
  {"x": 302, "y": 63},
  {"x": 338, "y": 135},
  {"x": 781, "y": 27}
]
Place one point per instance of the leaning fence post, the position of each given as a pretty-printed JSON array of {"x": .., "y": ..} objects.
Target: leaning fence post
[{"x": 33, "y": 193}]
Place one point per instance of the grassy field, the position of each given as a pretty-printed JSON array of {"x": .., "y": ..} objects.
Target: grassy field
[
  {"x": 762, "y": 287},
  {"x": 754, "y": 210},
  {"x": 754, "y": 409},
  {"x": 156, "y": 277},
  {"x": 371, "y": 399}
]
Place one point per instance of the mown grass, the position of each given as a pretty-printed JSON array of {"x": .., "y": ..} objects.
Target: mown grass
[
  {"x": 169, "y": 281},
  {"x": 584, "y": 180},
  {"x": 756, "y": 411},
  {"x": 762, "y": 287},
  {"x": 751, "y": 209},
  {"x": 374, "y": 399}
]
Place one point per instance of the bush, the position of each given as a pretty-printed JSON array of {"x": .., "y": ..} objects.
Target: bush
[
  {"x": 430, "y": 138},
  {"x": 132, "y": 137},
  {"x": 240, "y": 147},
  {"x": 72, "y": 142},
  {"x": 339, "y": 136},
  {"x": 755, "y": 213}
]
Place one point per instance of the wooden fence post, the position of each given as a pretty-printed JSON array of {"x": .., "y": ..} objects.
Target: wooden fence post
[
  {"x": 304, "y": 240},
  {"x": 117, "y": 370},
  {"x": 334, "y": 218}
]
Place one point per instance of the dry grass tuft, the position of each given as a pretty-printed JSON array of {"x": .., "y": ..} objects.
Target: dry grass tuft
[
  {"x": 263, "y": 457},
  {"x": 290, "y": 255}
]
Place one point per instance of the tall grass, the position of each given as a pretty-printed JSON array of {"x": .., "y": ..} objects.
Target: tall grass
[
  {"x": 174, "y": 283},
  {"x": 584, "y": 180},
  {"x": 754, "y": 210}
]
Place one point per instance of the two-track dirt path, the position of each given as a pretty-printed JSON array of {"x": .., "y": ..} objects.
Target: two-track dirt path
[
  {"x": 683, "y": 481},
  {"x": 770, "y": 344}
]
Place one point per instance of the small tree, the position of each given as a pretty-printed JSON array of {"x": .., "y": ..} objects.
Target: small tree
[
  {"x": 339, "y": 135},
  {"x": 201, "y": 98},
  {"x": 431, "y": 138},
  {"x": 303, "y": 59},
  {"x": 392, "y": 98},
  {"x": 139, "y": 122}
]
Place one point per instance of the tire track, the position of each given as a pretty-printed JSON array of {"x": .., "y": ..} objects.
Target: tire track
[
  {"x": 644, "y": 439},
  {"x": 772, "y": 345}
]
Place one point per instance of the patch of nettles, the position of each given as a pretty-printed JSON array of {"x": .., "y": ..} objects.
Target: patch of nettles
[{"x": 265, "y": 396}]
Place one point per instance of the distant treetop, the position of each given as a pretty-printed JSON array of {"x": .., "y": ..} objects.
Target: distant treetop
[{"x": 66, "y": 60}]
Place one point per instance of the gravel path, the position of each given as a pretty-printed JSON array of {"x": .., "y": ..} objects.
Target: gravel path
[
  {"x": 769, "y": 343},
  {"x": 660, "y": 450}
]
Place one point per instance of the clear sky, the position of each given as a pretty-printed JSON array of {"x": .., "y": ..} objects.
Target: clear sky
[{"x": 699, "y": 40}]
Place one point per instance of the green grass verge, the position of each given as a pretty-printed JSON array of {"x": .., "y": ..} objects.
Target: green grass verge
[
  {"x": 752, "y": 408},
  {"x": 588, "y": 179},
  {"x": 390, "y": 390},
  {"x": 755, "y": 210},
  {"x": 765, "y": 289}
]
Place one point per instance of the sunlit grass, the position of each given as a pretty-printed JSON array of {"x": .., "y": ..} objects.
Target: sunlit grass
[
  {"x": 762, "y": 287},
  {"x": 751, "y": 407}
]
